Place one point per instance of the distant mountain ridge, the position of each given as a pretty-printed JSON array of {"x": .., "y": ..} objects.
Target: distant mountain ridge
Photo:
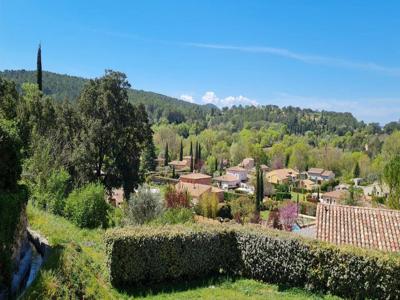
[{"x": 161, "y": 107}]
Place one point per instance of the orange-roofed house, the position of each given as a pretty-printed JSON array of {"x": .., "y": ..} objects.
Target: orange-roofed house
[
  {"x": 196, "y": 191},
  {"x": 366, "y": 227},
  {"x": 335, "y": 197},
  {"x": 227, "y": 181},
  {"x": 178, "y": 164},
  {"x": 198, "y": 178},
  {"x": 282, "y": 176},
  {"x": 319, "y": 175}
]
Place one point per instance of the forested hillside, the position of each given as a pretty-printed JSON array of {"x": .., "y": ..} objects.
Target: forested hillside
[{"x": 172, "y": 110}]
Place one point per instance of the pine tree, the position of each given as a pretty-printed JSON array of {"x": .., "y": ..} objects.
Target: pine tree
[
  {"x": 173, "y": 172},
  {"x": 166, "y": 155},
  {"x": 196, "y": 155},
  {"x": 181, "y": 152},
  {"x": 258, "y": 190},
  {"x": 39, "y": 67},
  {"x": 199, "y": 154}
]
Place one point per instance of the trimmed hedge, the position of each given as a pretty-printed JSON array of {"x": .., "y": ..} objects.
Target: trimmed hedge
[{"x": 147, "y": 254}]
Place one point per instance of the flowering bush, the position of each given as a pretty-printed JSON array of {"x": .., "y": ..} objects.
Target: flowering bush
[{"x": 175, "y": 198}]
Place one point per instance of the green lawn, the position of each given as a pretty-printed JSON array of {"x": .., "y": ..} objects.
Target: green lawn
[
  {"x": 302, "y": 197},
  {"x": 265, "y": 215},
  {"x": 76, "y": 269}
]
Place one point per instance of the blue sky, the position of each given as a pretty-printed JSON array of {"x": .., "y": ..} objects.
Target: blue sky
[{"x": 333, "y": 55}]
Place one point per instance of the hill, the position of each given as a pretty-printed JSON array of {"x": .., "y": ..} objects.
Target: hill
[{"x": 297, "y": 120}]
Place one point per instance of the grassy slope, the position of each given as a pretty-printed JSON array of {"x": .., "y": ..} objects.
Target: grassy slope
[{"x": 76, "y": 269}]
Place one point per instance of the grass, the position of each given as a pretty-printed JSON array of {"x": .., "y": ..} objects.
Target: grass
[
  {"x": 265, "y": 215},
  {"x": 76, "y": 269},
  {"x": 302, "y": 197}
]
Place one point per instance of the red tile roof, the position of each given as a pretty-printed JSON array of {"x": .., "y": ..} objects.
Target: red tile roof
[
  {"x": 359, "y": 226},
  {"x": 195, "y": 176}
]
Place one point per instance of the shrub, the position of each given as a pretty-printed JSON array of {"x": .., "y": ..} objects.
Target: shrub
[
  {"x": 143, "y": 206},
  {"x": 86, "y": 207},
  {"x": 287, "y": 215},
  {"x": 173, "y": 216},
  {"x": 153, "y": 254},
  {"x": 208, "y": 205},
  {"x": 308, "y": 208},
  {"x": 242, "y": 209},
  {"x": 175, "y": 198},
  {"x": 224, "y": 211}
]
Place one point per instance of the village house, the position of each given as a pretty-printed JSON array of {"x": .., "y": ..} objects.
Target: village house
[
  {"x": 319, "y": 175},
  {"x": 335, "y": 197},
  {"x": 264, "y": 168},
  {"x": 247, "y": 163},
  {"x": 178, "y": 164},
  {"x": 359, "y": 226},
  {"x": 282, "y": 176},
  {"x": 196, "y": 191},
  {"x": 227, "y": 181},
  {"x": 375, "y": 189},
  {"x": 342, "y": 187},
  {"x": 308, "y": 185},
  {"x": 239, "y": 172},
  {"x": 197, "y": 178}
]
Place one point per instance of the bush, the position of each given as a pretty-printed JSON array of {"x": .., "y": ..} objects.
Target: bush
[
  {"x": 242, "y": 209},
  {"x": 86, "y": 207},
  {"x": 153, "y": 254},
  {"x": 224, "y": 211},
  {"x": 208, "y": 205},
  {"x": 176, "y": 199},
  {"x": 173, "y": 216},
  {"x": 308, "y": 208},
  {"x": 143, "y": 206}
]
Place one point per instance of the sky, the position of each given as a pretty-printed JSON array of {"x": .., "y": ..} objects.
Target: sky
[{"x": 325, "y": 55}]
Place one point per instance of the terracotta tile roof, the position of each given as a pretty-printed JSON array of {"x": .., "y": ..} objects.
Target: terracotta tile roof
[
  {"x": 282, "y": 173},
  {"x": 227, "y": 178},
  {"x": 196, "y": 176},
  {"x": 236, "y": 169},
  {"x": 194, "y": 189},
  {"x": 181, "y": 163},
  {"x": 359, "y": 226},
  {"x": 338, "y": 194},
  {"x": 327, "y": 173},
  {"x": 316, "y": 170}
]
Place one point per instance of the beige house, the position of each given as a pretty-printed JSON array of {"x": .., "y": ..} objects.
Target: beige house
[
  {"x": 308, "y": 185},
  {"x": 319, "y": 175},
  {"x": 227, "y": 181},
  {"x": 239, "y": 172},
  {"x": 247, "y": 163},
  {"x": 282, "y": 176},
  {"x": 197, "y": 178},
  {"x": 196, "y": 191},
  {"x": 335, "y": 197}
]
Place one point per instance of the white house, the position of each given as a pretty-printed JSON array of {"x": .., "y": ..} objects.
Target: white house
[
  {"x": 239, "y": 172},
  {"x": 227, "y": 181},
  {"x": 376, "y": 189}
]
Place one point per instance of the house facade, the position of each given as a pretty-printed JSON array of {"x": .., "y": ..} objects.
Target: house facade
[
  {"x": 227, "y": 181},
  {"x": 197, "y": 178},
  {"x": 239, "y": 172},
  {"x": 282, "y": 176},
  {"x": 319, "y": 175},
  {"x": 196, "y": 191},
  {"x": 335, "y": 197}
]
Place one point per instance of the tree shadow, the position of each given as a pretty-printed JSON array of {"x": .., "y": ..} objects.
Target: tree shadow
[{"x": 178, "y": 285}]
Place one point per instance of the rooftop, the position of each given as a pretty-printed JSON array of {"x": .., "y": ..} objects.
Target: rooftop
[
  {"x": 195, "y": 176},
  {"x": 338, "y": 194},
  {"x": 236, "y": 169},
  {"x": 226, "y": 177},
  {"x": 359, "y": 226},
  {"x": 194, "y": 189},
  {"x": 282, "y": 173},
  {"x": 316, "y": 170}
]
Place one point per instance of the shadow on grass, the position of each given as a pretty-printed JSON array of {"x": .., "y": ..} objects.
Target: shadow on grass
[{"x": 181, "y": 285}]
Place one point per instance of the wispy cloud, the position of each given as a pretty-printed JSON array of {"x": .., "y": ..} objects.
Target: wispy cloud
[{"x": 306, "y": 58}]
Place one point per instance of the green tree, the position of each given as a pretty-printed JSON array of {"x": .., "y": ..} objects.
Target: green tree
[
  {"x": 39, "y": 68},
  {"x": 112, "y": 135},
  {"x": 391, "y": 175},
  {"x": 356, "y": 170},
  {"x": 149, "y": 156}
]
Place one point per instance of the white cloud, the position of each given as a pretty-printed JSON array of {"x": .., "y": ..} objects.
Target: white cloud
[
  {"x": 211, "y": 97},
  {"x": 306, "y": 58},
  {"x": 187, "y": 98}
]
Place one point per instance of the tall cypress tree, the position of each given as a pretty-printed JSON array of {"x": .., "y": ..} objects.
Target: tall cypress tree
[
  {"x": 196, "y": 154},
  {"x": 199, "y": 156},
  {"x": 216, "y": 165},
  {"x": 191, "y": 157},
  {"x": 166, "y": 155},
  {"x": 39, "y": 67},
  {"x": 258, "y": 190},
  {"x": 181, "y": 152}
]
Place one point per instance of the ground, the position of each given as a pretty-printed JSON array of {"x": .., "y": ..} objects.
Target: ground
[{"x": 77, "y": 269}]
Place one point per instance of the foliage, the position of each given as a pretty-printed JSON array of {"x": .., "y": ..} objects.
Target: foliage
[
  {"x": 10, "y": 156},
  {"x": 86, "y": 207},
  {"x": 392, "y": 177},
  {"x": 148, "y": 160},
  {"x": 143, "y": 206},
  {"x": 176, "y": 199},
  {"x": 242, "y": 209},
  {"x": 175, "y": 216},
  {"x": 154, "y": 254},
  {"x": 39, "y": 73},
  {"x": 208, "y": 205}
]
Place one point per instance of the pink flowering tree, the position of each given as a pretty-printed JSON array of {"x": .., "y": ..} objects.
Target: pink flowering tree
[{"x": 288, "y": 215}]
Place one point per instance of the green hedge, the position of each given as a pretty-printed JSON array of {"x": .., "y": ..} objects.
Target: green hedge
[
  {"x": 155, "y": 254},
  {"x": 152, "y": 254}
]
